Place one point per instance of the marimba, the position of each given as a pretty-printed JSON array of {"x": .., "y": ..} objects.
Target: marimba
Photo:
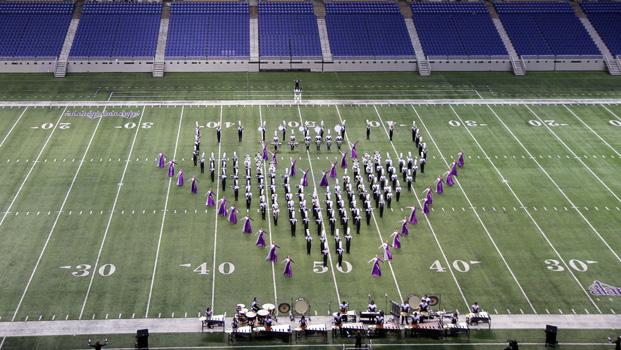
[
  {"x": 385, "y": 329},
  {"x": 368, "y": 317},
  {"x": 482, "y": 317},
  {"x": 215, "y": 320},
  {"x": 456, "y": 328},
  {"x": 429, "y": 329},
  {"x": 312, "y": 329},
  {"x": 348, "y": 328}
]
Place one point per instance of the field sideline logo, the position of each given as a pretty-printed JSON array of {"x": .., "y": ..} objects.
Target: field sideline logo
[
  {"x": 107, "y": 114},
  {"x": 600, "y": 288}
]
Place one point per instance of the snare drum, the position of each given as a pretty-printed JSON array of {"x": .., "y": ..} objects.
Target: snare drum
[
  {"x": 262, "y": 315},
  {"x": 269, "y": 307}
]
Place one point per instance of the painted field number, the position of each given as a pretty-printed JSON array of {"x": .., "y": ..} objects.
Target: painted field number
[
  {"x": 548, "y": 122},
  {"x": 83, "y": 270},
  {"x": 574, "y": 264},
  {"x": 468, "y": 123},
  {"x": 319, "y": 268},
  {"x": 458, "y": 265},
  {"x": 48, "y": 126},
  {"x": 132, "y": 125},
  {"x": 226, "y": 268}
]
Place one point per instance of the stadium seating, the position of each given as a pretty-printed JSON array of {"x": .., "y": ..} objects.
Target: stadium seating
[
  {"x": 209, "y": 29},
  {"x": 29, "y": 29},
  {"x": 367, "y": 29},
  {"x": 545, "y": 29},
  {"x": 115, "y": 29},
  {"x": 606, "y": 18},
  {"x": 288, "y": 29},
  {"x": 456, "y": 29}
]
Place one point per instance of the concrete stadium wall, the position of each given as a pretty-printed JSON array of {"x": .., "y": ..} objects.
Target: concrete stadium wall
[
  {"x": 377, "y": 65},
  {"x": 210, "y": 66},
  {"x": 564, "y": 65},
  {"x": 485, "y": 65},
  {"x": 109, "y": 66},
  {"x": 339, "y": 65},
  {"x": 285, "y": 64},
  {"x": 34, "y": 66}
]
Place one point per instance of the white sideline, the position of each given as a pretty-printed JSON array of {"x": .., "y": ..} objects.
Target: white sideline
[
  {"x": 269, "y": 219},
  {"x": 315, "y": 102},
  {"x": 116, "y": 197},
  {"x": 476, "y": 213},
  {"x": 504, "y": 180},
  {"x": 433, "y": 232},
  {"x": 392, "y": 271},
  {"x": 310, "y": 163},
  {"x": 159, "y": 240}
]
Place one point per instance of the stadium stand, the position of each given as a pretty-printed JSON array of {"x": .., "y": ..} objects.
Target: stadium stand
[
  {"x": 33, "y": 29},
  {"x": 360, "y": 29},
  {"x": 606, "y": 18},
  {"x": 288, "y": 29},
  {"x": 114, "y": 29},
  {"x": 456, "y": 29},
  {"x": 545, "y": 29},
  {"x": 208, "y": 30}
]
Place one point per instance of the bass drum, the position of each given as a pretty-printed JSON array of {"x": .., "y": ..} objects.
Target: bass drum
[
  {"x": 284, "y": 308},
  {"x": 301, "y": 306}
]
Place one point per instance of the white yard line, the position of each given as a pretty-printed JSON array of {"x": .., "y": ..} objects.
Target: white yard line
[
  {"x": 49, "y": 137},
  {"x": 433, "y": 232},
  {"x": 573, "y": 153},
  {"x": 316, "y": 189},
  {"x": 526, "y": 210},
  {"x": 13, "y": 127},
  {"x": 379, "y": 233},
  {"x": 573, "y": 205},
  {"x": 107, "y": 229},
  {"x": 592, "y": 131},
  {"x": 611, "y": 112},
  {"x": 159, "y": 240},
  {"x": 269, "y": 220},
  {"x": 476, "y": 213},
  {"x": 215, "y": 235},
  {"x": 60, "y": 211},
  {"x": 34, "y": 163}
]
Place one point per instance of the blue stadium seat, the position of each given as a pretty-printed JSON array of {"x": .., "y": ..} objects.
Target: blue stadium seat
[
  {"x": 367, "y": 29},
  {"x": 545, "y": 29},
  {"x": 210, "y": 29},
  {"x": 288, "y": 30},
  {"x": 606, "y": 18},
  {"x": 33, "y": 29},
  {"x": 457, "y": 29},
  {"x": 117, "y": 30}
]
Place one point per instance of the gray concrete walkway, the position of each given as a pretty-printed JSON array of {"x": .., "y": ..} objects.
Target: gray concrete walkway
[{"x": 190, "y": 325}]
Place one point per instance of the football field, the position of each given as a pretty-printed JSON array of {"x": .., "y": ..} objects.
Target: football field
[{"x": 90, "y": 228}]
